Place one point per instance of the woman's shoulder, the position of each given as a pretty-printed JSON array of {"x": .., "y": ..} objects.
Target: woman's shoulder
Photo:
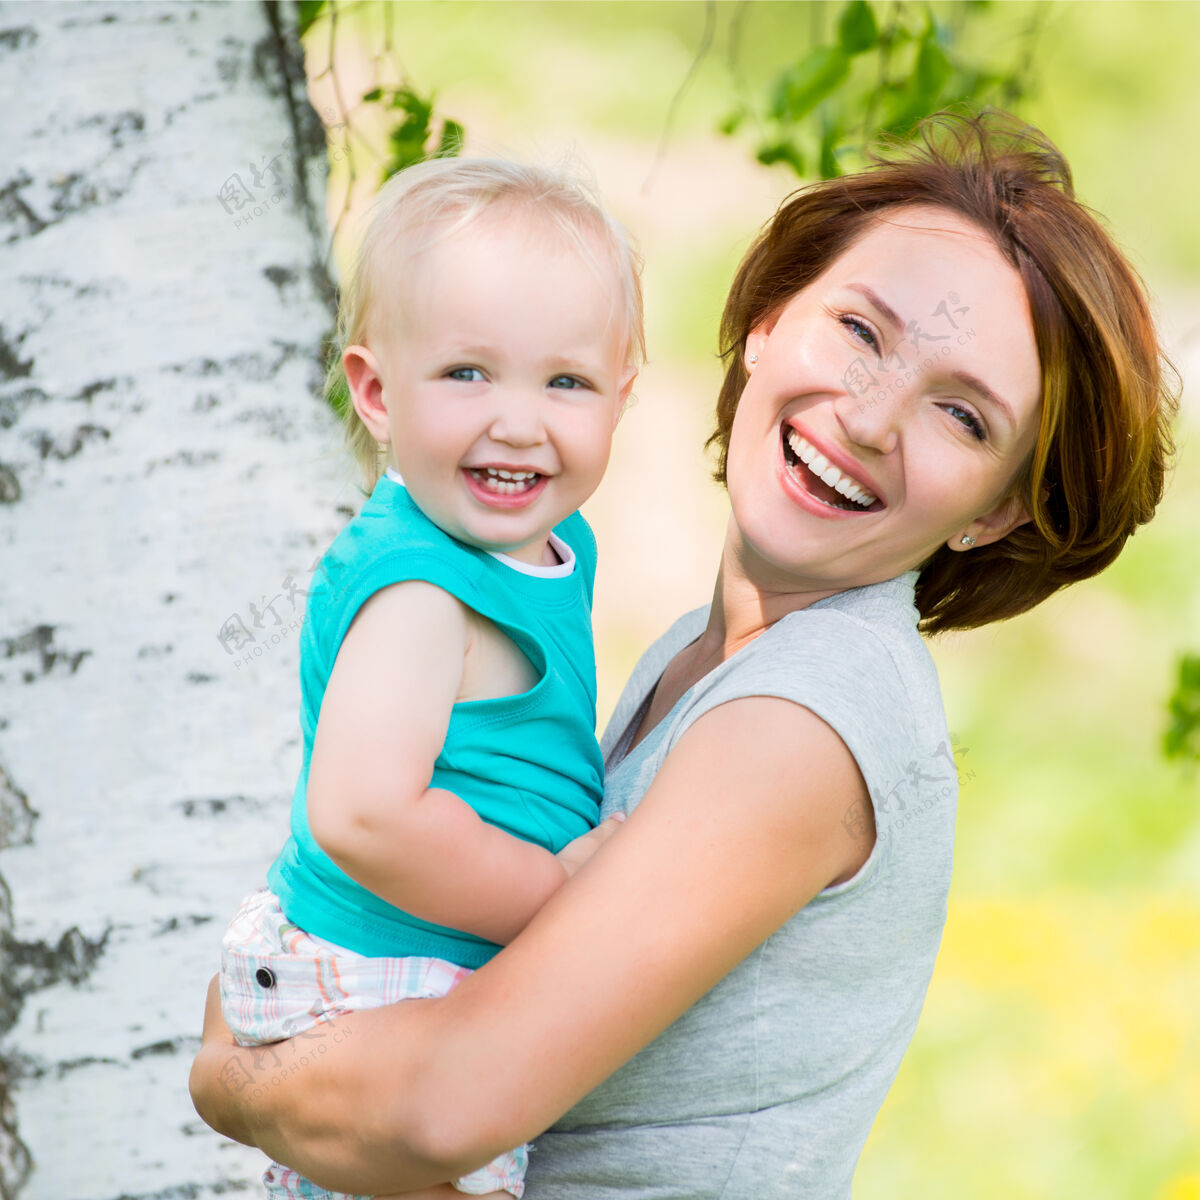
[
  {"x": 858, "y": 643},
  {"x": 857, "y": 662}
]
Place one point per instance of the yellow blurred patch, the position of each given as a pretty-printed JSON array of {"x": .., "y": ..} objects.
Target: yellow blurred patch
[{"x": 1186, "y": 1187}]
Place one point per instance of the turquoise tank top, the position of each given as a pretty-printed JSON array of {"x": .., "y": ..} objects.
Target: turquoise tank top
[{"x": 528, "y": 763}]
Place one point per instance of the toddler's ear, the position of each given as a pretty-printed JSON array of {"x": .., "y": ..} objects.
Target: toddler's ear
[
  {"x": 366, "y": 390},
  {"x": 624, "y": 395}
]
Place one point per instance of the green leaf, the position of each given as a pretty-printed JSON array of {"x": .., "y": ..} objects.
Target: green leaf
[
  {"x": 374, "y": 94},
  {"x": 451, "y": 141},
  {"x": 338, "y": 396},
  {"x": 800, "y": 89},
  {"x": 830, "y": 136},
  {"x": 732, "y": 123},
  {"x": 933, "y": 69},
  {"x": 310, "y": 10},
  {"x": 418, "y": 109},
  {"x": 857, "y": 29},
  {"x": 1182, "y": 739},
  {"x": 407, "y": 142},
  {"x": 781, "y": 152}
]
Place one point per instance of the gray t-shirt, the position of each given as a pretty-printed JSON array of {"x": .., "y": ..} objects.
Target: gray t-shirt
[{"x": 767, "y": 1087}]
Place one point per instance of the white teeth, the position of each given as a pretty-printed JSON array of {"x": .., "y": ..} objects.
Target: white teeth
[
  {"x": 501, "y": 473},
  {"x": 504, "y": 482},
  {"x": 820, "y": 466}
]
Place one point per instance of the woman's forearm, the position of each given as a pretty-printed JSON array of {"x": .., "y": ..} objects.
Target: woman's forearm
[
  {"x": 412, "y": 1094},
  {"x": 308, "y": 1101}
]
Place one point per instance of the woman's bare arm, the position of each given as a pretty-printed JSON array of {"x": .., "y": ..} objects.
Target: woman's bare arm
[{"x": 741, "y": 828}]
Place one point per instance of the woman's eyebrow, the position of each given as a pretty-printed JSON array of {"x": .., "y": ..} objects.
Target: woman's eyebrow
[
  {"x": 885, "y": 309},
  {"x": 985, "y": 393},
  {"x": 964, "y": 377}
]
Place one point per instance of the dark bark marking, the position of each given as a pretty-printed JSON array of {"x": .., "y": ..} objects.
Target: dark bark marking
[
  {"x": 211, "y": 806},
  {"x": 16, "y": 815},
  {"x": 19, "y": 37},
  {"x": 70, "y": 445},
  {"x": 12, "y": 366},
  {"x": 40, "y": 640},
  {"x": 14, "y": 209},
  {"x": 174, "y": 924}
]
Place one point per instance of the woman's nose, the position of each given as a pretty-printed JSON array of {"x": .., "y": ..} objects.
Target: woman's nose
[{"x": 870, "y": 420}]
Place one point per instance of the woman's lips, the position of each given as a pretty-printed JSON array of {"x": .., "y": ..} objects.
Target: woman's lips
[{"x": 822, "y": 480}]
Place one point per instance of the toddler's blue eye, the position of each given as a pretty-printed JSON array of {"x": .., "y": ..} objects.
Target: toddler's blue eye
[
  {"x": 465, "y": 374},
  {"x": 567, "y": 381}
]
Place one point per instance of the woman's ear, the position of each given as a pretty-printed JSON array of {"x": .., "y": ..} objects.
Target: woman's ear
[
  {"x": 992, "y": 526},
  {"x": 366, "y": 390},
  {"x": 756, "y": 339}
]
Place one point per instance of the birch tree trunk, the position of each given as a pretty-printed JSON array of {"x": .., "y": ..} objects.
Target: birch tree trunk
[{"x": 168, "y": 474}]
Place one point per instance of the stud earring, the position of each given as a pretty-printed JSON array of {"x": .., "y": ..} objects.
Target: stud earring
[
  {"x": 966, "y": 540},
  {"x": 753, "y": 359}
]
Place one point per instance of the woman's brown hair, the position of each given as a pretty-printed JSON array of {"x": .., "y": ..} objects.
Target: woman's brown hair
[{"x": 1109, "y": 394}]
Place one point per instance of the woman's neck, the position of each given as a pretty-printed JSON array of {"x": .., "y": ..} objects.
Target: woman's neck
[{"x": 749, "y": 597}]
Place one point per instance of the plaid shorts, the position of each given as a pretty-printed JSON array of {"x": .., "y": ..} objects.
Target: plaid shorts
[{"x": 278, "y": 981}]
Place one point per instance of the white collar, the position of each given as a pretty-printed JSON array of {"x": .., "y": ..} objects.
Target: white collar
[{"x": 558, "y": 570}]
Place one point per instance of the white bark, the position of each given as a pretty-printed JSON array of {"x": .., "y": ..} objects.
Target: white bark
[{"x": 164, "y": 463}]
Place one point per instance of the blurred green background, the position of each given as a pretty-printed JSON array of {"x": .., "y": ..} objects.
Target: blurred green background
[{"x": 1059, "y": 1051}]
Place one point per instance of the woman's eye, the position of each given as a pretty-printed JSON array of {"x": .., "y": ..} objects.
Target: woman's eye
[
  {"x": 568, "y": 381},
  {"x": 860, "y": 329},
  {"x": 968, "y": 420},
  {"x": 465, "y": 374}
]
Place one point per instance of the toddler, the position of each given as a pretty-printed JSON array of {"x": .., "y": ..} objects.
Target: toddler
[{"x": 451, "y": 779}]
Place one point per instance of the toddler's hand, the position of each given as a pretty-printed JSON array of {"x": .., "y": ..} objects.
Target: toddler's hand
[{"x": 574, "y": 854}]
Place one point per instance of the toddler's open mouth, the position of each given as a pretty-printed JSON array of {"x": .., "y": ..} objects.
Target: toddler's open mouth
[{"x": 504, "y": 482}]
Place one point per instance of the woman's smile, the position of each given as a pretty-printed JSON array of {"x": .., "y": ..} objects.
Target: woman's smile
[
  {"x": 823, "y": 479},
  {"x": 911, "y": 463}
]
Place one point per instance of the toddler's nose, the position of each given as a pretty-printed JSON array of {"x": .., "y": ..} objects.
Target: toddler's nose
[{"x": 518, "y": 420}]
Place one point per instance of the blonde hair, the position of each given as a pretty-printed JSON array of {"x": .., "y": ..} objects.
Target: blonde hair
[{"x": 437, "y": 199}]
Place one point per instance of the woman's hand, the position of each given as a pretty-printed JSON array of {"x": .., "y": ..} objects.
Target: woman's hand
[
  {"x": 212, "y": 1093},
  {"x": 722, "y": 850},
  {"x": 574, "y": 854}
]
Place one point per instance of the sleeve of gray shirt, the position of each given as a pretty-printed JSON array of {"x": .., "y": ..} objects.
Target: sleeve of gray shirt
[{"x": 767, "y": 1087}]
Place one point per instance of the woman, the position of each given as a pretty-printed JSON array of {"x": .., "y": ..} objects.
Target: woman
[{"x": 944, "y": 400}]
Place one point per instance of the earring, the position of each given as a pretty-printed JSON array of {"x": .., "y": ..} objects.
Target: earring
[
  {"x": 966, "y": 540},
  {"x": 753, "y": 359}
]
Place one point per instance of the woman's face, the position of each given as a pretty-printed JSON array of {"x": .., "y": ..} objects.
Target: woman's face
[{"x": 889, "y": 408}]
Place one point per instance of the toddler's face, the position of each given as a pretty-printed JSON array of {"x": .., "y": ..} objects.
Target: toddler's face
[{"x": 503, "y": 372}]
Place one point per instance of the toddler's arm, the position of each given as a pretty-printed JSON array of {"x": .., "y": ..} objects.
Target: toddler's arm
[{"x": 370, "y": 807}]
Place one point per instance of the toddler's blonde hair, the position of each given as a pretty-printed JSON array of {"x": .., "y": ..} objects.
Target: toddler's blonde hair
[{"x": 433, "y": 200}]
